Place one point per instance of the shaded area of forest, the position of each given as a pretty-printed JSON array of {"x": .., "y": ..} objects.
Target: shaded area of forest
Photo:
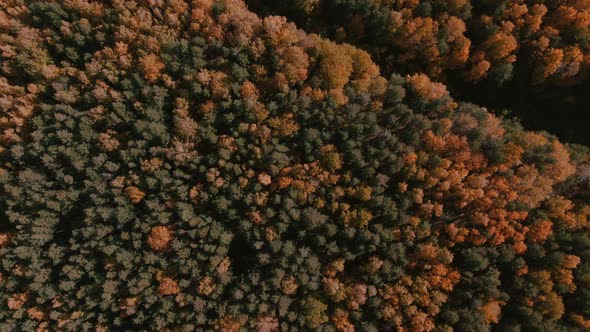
[{"x": 559, "y": 110}]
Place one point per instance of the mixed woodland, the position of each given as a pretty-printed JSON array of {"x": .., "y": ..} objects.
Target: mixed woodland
[{"x": 305, "y": 165}]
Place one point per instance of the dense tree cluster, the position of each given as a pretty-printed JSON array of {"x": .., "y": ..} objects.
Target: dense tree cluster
[
  {"x": 529, "y": 56},
  {"x": 178, "y": 165},
  {"x": 482, "y": 39}
]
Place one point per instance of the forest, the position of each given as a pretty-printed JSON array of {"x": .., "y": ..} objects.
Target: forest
[
  {"x": 530, "y": 57},
  {"x": 297, "y": 165}
]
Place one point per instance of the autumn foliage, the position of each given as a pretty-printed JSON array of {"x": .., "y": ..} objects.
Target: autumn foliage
[
  {"x": 528, "y": 56},
  {"x": 481, "y": 39},
  {"x": 177, "y": 165}
]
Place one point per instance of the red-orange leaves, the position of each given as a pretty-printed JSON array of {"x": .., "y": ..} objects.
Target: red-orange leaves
[
  {"x": 151, "y": 66},
  {"x": 335, "y": 65},
  {"x": 159, "y": 238},
  {"x": 492, "y": 311},
  {"x": 540, "y": 231},
  {"x": 426, "y": 88},
  {"x": 294, "y": 63},
  {"x": 134, "y": 194},
  {"x": 168, "y": 286}
]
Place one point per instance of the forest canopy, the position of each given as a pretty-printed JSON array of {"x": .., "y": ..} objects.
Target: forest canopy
[
  {"x": 188, "y": 165},
  {"x": 529, "y": 56}
]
